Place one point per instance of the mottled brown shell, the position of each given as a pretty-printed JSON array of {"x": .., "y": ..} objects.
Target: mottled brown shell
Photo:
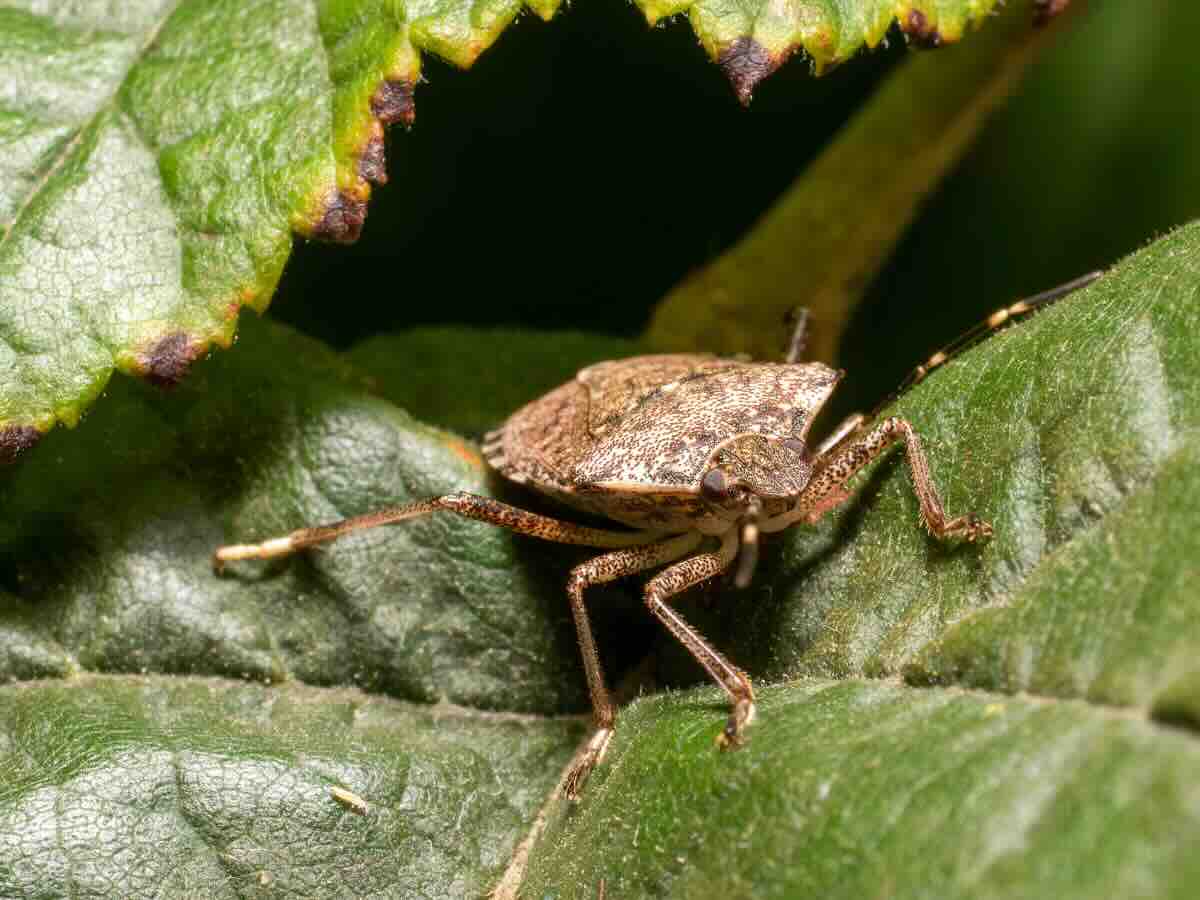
[{"x": 631, "y": 439}]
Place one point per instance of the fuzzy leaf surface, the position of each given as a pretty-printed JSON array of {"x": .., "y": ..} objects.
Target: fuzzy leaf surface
[
  {"x": 861, "y": 789},
  {"x": 1069, "y": 768}
]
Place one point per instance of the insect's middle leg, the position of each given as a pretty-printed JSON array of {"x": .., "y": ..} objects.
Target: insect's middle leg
[
  {"x": 600, "y": 570},
  {"x": 847, "y": 459},
  {"x": 678, "y": 579}
]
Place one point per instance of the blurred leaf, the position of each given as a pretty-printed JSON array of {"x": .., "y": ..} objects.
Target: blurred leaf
[
  {"x": 159, "y": 156},
  {"x": 1077, "y": 435},
  {"x": 472, "y": 379},
  {"x": 827, "y": 236},
  {"x": 177, "y": 787},
  {"x": 1093, "y": 157}
]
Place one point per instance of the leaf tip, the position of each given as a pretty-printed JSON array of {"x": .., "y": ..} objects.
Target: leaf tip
[
  {"x": 15, "y": 440},
  {"x": 746, "y": 62},
  {"x": 166, "y": 362}
]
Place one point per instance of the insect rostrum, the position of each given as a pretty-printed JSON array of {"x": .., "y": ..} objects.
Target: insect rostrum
[{"x": 696, "y": 456}]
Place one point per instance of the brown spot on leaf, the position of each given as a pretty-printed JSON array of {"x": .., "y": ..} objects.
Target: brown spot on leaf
[
  {"x": 393, "y": 102},
  {"x": 372, "y": 164},
  {"x": 747, "y": 62},
  {"x": 919, "y": 31},
  {"x": 15, "y": 440},
  {"x": 1045, "y": 10},
  {"x": 169, "y": 359},
  {"x": 342, "y": 220}
]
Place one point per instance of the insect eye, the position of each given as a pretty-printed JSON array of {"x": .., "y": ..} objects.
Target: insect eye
[
  {"x": 796, "y": 445},
  {"x": 714, "y": 486}
]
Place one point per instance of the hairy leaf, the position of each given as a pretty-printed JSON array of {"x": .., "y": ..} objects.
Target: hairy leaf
[
  {"x": 858, "y": 789},
  {"x": 1078, "y": 435}
]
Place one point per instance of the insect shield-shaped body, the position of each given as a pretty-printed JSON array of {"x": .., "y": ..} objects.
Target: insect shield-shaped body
[{"x": 669, "y": 443}]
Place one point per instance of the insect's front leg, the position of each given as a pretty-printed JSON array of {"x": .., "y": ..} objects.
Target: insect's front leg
[
  {"x": 825, "y": 490},
  {"x": 601, "y": 570},
  {"x": 678, "y": 579}
]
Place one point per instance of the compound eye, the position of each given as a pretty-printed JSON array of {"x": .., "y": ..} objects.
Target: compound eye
[{"x": 714, "y": 486}]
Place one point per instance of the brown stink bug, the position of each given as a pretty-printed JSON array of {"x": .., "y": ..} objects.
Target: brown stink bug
[{"x": 696, "y": 455}]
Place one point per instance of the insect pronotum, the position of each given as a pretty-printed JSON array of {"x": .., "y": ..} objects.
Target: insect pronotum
[{"x": 696, "y": 456}]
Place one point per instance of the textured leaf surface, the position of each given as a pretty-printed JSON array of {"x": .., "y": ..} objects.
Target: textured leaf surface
[
  {"x": 155, "y": 787},
  {"x": 1078, "y": 436},
  {"x": 109, "y": 532},
  {"x": 856, "y": 789},
  {"x": 750, "y": 40},
  {"x": 158, "y": 157}
]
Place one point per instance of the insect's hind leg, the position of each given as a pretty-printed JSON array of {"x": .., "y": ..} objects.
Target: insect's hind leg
[
  {"x": 847, "y": 459},
  {"x": 600, "y": 570},
  {"x": 470, "y": 506},
  {"x": 677, "y": 579}
]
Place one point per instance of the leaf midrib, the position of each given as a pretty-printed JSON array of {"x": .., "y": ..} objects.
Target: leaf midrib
[{"x": 68, "y": 148}]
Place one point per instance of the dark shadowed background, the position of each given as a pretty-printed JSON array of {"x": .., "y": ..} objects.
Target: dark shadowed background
[{"x": 584, "y": 166}]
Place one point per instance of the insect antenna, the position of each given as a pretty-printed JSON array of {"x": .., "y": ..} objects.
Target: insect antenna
[
  {"x": 748, "y": 550},
  {"x": 798, "y": 319},
  {"x": 993, "y": 323}
]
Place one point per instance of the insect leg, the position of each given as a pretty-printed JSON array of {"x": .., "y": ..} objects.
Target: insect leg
[
  {"x": 609, "y": 567},
  {"x": 470, "y": 506},
  {"x": 679, "y": 578},
  {"x": 845, "y": 462}
]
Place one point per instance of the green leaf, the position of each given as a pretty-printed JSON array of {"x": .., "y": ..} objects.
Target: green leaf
[
  {"x": 155, "y": 787},
  {"x": 472, "y": 379},
  {"x": 752, "y": 40},
  {"x": 109, "y": 533},
  {"x": 1077, "y": 435},
  {"x": 857, "y": 789},
  {"x": 158, "y": 158}
]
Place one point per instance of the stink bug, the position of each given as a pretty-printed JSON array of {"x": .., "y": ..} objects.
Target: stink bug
[{"x": 684, "y": 450}]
